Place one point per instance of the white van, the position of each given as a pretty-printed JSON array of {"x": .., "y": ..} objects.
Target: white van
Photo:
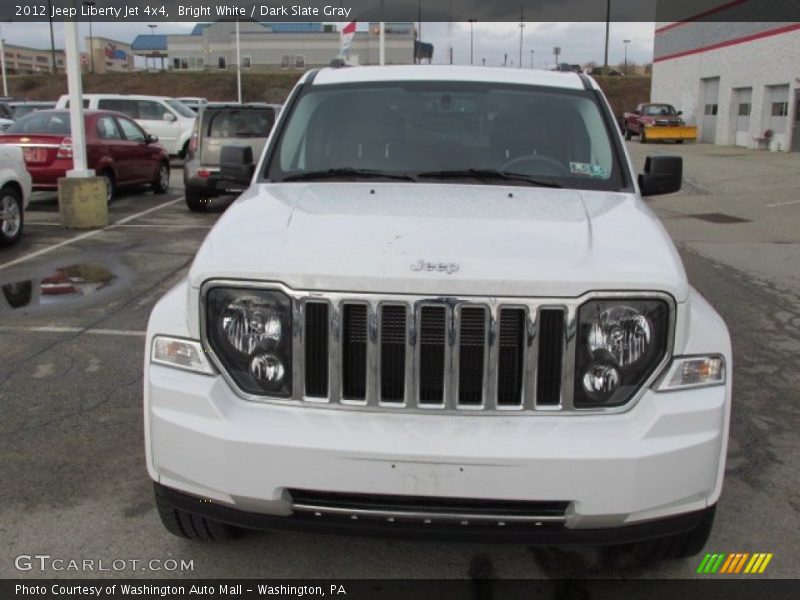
[{"x": 168, "y": 118}]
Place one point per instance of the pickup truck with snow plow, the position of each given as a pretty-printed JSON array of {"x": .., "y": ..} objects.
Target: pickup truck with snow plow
[{"x": 660, "y": 122}]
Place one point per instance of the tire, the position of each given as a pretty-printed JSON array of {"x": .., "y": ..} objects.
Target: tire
[
  {"x": 682, "y": 545},
  {"x": 643, "y": 137},
  {"x": 195, "y": 201},
  {"x": 184, "y": 151},
  {"x": 679, "y": 141},
  {"x": 628, "y": 134},
  {"x": 111, "y": 186},
  {"x": 189, "y": 526},
  {"x": 161, "y": 183},
  {"x": 13, "y": 219}
]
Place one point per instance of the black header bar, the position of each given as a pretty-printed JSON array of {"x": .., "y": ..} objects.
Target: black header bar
[
  {"x": 709, "y": 588},
  {"x": 204, "y": 11}
]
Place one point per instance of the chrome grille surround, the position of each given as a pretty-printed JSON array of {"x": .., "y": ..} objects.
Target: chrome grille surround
[{"x": 414, "y": 303}]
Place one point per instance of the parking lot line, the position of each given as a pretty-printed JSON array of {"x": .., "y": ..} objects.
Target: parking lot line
[
  {"x": 89, "y": 234},
  {"x": 111, "y": 332},
  {"x": 783, "y": 203},
  {"x": 129, "y": 225}
]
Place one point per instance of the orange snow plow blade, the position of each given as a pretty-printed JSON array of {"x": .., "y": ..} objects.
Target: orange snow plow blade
[{"x": 672, "y": 133}]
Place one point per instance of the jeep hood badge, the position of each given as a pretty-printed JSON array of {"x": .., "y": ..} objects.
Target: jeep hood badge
[{"x": 440, "y": 267}]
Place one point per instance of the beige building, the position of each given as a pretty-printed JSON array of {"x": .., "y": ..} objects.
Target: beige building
[
  {"x": 104, "y": 55},
  {"x": 21, "y": 60},
  {"x": 282, "y": 46}
]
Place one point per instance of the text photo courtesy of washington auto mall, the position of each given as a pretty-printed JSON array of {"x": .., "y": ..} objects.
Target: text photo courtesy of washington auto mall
[{"x": 393, "y": 299}]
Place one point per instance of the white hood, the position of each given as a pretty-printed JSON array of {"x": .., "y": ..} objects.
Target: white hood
[{"x": 506, "y": 241}]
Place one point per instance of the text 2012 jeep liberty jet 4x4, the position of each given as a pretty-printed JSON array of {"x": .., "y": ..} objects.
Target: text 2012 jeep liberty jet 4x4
[{"x": 441, "y": 309}]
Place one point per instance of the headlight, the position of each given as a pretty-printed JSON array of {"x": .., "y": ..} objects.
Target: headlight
[
  {"x": 619, "y": 345},
  {"x": 250, "y": 332}
]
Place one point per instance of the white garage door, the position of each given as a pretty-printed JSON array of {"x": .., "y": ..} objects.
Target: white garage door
[
  {"x": 708, "y": 123},
  {"x": 742, "y": 105}
]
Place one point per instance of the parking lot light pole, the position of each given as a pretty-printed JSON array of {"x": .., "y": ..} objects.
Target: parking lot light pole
[
  {"x": 608, "y": 28},
  {"x": 238, "y": 64},
  {"x": 471, "y": 40},
  {"x": 53, "y": 65},
  {"x": 626, "y": 42},
  {"x": 152, "y": 52},
  {"x": 90, "y": 3},
  {"x": 82, "y": 197},
  {"x": 3, "y": 63},
  {"x": 75, "y": 87}
]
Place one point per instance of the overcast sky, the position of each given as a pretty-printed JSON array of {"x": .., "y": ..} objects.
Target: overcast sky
[{"x": 579, "y": 42}]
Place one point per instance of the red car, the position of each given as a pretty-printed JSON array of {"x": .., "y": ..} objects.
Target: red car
[{"x": 117, "y": 149}]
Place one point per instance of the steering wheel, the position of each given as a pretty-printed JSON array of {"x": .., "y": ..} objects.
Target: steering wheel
[{"x": 556, "y": 167}]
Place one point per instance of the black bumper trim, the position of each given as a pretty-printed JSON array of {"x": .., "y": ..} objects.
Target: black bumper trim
[{"x": 555, "y": 535}]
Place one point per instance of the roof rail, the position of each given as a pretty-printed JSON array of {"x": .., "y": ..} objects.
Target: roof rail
[{"x": 587, "y": 83}]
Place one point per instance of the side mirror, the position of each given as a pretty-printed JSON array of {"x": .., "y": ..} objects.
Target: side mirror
[
  {"x": 169, "y": 117},
  {"x": 151, "y": 139},
  {"x": 236, "y": 164},
  {"x": 680, "y": 112},
  {"x": 637, "y": 112},
  {"x": 662, "y": 175}
]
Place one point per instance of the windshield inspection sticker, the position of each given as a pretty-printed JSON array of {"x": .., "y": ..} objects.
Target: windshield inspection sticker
[{"x": 589, "y": 170}]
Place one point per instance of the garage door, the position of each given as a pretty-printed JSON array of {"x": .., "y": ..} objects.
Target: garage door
[
  {"x": 742, "y": 106},
  {"x": 708, "y": 123},
  {"x": 796, "y": 130}
]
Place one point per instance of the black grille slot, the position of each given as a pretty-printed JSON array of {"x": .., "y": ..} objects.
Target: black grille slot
[
  {"x": 393, "y": 353},
  {"x": 551, "y": 350},
  {"x": 471, "y": 355},
  {"x": 400, "y": 504},
  {"x": 511, "y": 352},
  {"x": 316, "y": 350},
  {"x": 354, "y": 352},
  {"x": 432, "y": 340}
]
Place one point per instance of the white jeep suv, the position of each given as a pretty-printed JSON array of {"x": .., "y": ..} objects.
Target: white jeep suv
[{"x": 441, "y": 309}]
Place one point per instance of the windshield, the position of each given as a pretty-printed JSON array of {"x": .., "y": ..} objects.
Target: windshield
[
  {"x": 659, "y": 110},
  {"x": 51, "y": 123},
  {"x": 180, "y": 108},
  {"x": 440, "y": 131},
  {"x": 20, "y": 110}
]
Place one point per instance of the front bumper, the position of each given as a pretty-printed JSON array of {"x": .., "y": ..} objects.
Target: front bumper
[
  {"x": 659, "y": 460},
  {"x": 553, "y": 535}
]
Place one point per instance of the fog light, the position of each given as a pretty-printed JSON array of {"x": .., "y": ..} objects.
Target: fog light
[
  {"x": 267, "y": 369},
  {"x": 180, "y": 354},
  {"x": 694, "y": 372},
  {"x": 600, "y": 381}
]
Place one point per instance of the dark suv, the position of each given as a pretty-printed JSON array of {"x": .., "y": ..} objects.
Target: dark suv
[{"x": 217, "y": 126}]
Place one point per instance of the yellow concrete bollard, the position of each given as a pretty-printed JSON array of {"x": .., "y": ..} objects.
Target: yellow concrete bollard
[{"x": 82, "y": 202}]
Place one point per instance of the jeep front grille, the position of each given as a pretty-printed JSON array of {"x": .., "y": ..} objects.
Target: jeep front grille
[{"x": 433, "y": 354}]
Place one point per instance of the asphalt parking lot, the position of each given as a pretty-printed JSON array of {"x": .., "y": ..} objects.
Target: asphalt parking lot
[{"x": 71, "y": 449}]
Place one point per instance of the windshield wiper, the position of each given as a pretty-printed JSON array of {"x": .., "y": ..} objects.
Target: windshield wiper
[
  {"x": 347, "y": 173},
  {"x": 487, "y": 174}
]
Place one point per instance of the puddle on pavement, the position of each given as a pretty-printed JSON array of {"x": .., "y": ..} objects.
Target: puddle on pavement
[{"x": 70, "y": 283}]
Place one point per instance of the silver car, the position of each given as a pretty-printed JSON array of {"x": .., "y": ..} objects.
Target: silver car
[{"x": 221, "y": 125}]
